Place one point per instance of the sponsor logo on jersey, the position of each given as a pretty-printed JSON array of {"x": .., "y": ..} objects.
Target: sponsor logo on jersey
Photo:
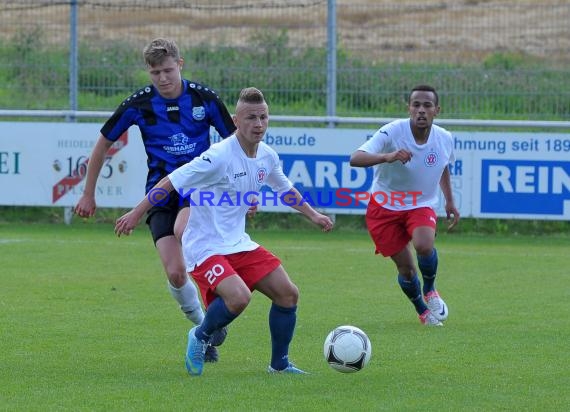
[
  {"x": 181, "y": 149},
  {"x": 179, "y": 139},
  {"x": 180, "y": 145},
  {"x": 240, "y": 174}
]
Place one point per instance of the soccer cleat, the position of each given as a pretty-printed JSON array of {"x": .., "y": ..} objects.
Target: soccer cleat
[
  {"x": 219, "y": 336},
  {"x": 436, "y": 305},
  {"x": 290, "y": 369},
  {"x": 211, "y": 354},
  {"x": 195, "y": 353},
  {"x": 427, "y": 318}
]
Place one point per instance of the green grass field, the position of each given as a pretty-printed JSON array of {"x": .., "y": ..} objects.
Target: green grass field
[{"x": 88, "y": 324}]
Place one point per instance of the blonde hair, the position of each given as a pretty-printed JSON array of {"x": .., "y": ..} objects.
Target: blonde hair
[{"x": 158, "y": 50}]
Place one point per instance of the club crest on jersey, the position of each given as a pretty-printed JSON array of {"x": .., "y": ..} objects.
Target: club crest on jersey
[
  {"x": 261, "y": 174},
  {"x": 431, "y": 159},
  {"x": 198, "y": 113}
]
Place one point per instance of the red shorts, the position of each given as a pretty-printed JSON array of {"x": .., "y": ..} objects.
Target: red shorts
[
  {"x": 391, "y": 230},
  {"x": 251, "y": 266}
]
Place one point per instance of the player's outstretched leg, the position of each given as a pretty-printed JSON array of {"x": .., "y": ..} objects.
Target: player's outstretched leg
[
  {"x": 211, "y": 328},
  {"x": 282, "y": 325},
  {"x": 187, "y": 298},
  {"x": 428, "y": 268}
]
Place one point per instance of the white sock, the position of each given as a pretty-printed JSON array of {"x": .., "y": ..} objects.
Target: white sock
[{"x": 187, "y": 298}]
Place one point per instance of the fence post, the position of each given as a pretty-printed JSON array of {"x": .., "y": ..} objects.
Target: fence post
[
  {"x": 73, "y": 81},
  {"x": 331, "y": 67},
  {"x": 331, "y": 61},
  {"x": 73, "y": 60}
]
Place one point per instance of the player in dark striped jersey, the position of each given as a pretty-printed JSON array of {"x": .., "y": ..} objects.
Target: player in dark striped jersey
[{"x": 174, "y": 116}]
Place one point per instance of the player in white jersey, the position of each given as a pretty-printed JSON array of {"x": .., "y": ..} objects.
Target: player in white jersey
[
  {"x": 224, "y": 177},
  {"x": 223, "y": 260},
  {"x": 410, "y": 159}
]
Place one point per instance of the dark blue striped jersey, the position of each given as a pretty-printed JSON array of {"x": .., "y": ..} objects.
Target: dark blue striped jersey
[{"x": 174, "y": 131}]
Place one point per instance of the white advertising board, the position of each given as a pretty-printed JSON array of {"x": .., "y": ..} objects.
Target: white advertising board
[
  {"x": 43, "y": 164},
  {"x": 495, "y": 175}
]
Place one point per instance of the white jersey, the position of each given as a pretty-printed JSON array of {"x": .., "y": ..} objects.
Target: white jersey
[
  {"x": 398, "y": 186},
  {"x": 221, "y": 183}
]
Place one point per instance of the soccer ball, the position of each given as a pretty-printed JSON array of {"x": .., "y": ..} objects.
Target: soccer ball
[{"x": 347, "y": 349}]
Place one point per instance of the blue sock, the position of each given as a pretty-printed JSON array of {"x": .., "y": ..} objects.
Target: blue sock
[
  {"x": 281, "y": 326},
  {"x": 428, "y": 267},
  {"x": 217, "y": 316},
  {"x": 412, "y": 289}
]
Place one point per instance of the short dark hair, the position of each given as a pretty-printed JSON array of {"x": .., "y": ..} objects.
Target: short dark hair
[{"x": 424, "y": 88}]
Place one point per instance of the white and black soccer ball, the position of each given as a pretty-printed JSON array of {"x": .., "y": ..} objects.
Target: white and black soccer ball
[{"x": 347, "y": 349}]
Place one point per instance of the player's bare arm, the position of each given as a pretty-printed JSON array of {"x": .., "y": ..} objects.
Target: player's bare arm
[
  {"x": 450, "y": 209},
  {"x": 127, "y": 223},
  {"x": 86, "y": 205},
  {"x": 361, "y": 158}
]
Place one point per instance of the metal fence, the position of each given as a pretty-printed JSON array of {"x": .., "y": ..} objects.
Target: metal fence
[{"x": 489, "y": 59}]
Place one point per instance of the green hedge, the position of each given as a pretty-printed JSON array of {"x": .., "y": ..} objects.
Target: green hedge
[{"x": 503, "y": 86}]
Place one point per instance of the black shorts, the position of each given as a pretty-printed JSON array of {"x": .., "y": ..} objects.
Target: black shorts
[{"x": 161, "y": 219}]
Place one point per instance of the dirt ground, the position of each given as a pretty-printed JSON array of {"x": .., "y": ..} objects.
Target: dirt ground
[{"x": 378, "y": 29}]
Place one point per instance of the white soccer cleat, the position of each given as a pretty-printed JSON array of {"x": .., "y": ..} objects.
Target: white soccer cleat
[
  {"x": 427, "y": 318},
  {"x": 436, "y": 305}
]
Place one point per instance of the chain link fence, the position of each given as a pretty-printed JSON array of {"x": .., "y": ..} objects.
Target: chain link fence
[{"x": 489, "y": 59}]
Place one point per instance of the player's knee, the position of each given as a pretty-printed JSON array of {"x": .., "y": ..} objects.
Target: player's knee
[
  {"x": 423, "y": 248},
  {"x": 177, "y": 278},
  {"x": 407, "y": 272},
  {"x": 238, "y": 301},
  {"x": 294, "y": 296},
  {"x": 288, "y": 297}
]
